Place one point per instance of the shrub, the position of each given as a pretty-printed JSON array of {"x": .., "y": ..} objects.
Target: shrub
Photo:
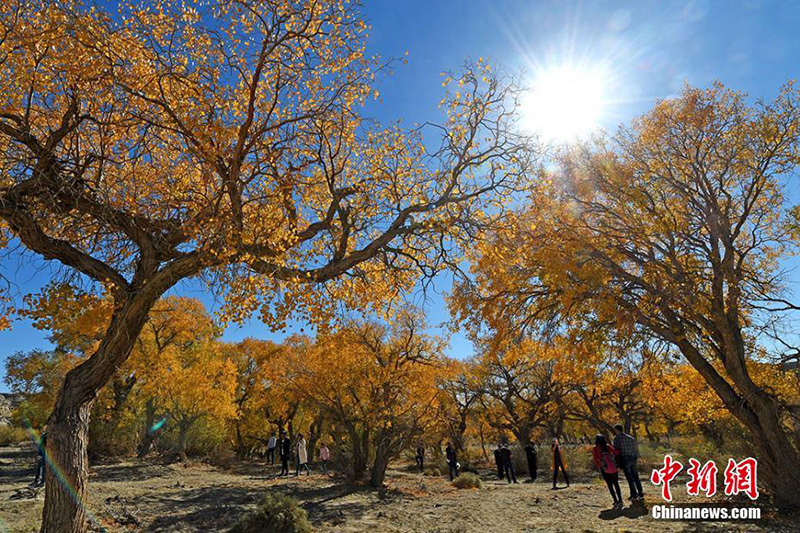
[
  {"x": 467, "y": 480},
  {"x": 225, "y": 458},
  {"x": 12, "y": 435},
  {"x": 277, "y": 513},
  {"x": 432, "y": 471}
]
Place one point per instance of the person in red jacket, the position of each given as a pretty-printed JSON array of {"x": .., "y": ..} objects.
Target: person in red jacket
[{"x": 603, "y": 455}]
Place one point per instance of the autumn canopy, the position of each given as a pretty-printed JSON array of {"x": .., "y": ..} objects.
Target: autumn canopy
[{"x": 225, "y": 142}]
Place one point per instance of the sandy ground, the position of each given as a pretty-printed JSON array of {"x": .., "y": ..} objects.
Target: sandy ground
[{"x": 177, "y": 497}]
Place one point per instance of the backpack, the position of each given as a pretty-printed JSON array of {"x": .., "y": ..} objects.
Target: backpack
[{"x": 608, "y": 461}]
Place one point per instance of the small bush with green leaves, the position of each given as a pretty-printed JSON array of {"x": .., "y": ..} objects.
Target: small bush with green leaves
[
  {"x": 467, "y": 480},
  {"x": 277, "y": 513}
]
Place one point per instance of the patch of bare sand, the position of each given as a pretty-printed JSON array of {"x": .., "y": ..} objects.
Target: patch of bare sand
[{"x": 197, "y": 497}]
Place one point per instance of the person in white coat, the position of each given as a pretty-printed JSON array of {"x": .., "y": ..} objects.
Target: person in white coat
[
  {"x": 302, "y": 455},
  {"x": 271, "y": 444}
]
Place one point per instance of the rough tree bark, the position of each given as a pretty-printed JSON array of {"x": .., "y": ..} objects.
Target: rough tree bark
[
  {"x": 68, "y": 426},
  {"x": 379, "y": 465},
  {"x": 149, "y": 434}
]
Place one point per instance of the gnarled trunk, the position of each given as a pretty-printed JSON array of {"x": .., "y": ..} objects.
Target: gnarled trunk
[
  {"x": 758, "y": 411},
  {"x": 67, "y": 471},
  {"x": 183, "y": 437},
  {"x": 779, "y": 458},
  {"x": 360, "y": 444},
  {"x": 378, "y": 474},
  {"x": 314, "y": 434},
  {"x": 150, "y": 430},
  {"x": 67, "y": 475}
]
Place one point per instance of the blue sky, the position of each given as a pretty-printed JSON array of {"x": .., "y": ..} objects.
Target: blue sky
[{"x": 645, "y": 50}]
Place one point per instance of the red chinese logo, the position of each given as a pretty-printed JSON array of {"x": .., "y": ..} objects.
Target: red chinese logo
[
  {"x": 741, "y": 477},
  {"x": 702, "y": 478},
  {"x": 664, "y": 476}
]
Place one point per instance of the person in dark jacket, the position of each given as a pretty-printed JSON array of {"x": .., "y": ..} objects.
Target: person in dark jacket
[
  {"x": 498, "y": 462},
  {"x": 421, "y": 457},
  {"x": 628, "y": 456},
  {"x": 452, "y": 461},
  {"x": 285, "y": 450},
  {"x": 508, "y": 464},
  {"x": 42, "y": 452},
  {"x": 530, "y": 455},
  {"x": 558, "y": 462}
]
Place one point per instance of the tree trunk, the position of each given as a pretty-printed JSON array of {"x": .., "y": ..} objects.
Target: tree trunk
[
  {"x": 628, "y": 425},
  {"x": 68, "y": 426},
  {"x": 758, "y": 411},
  {"x": 483, "y": 444},
  {"x": 183, "y": 433},
  {"x": 360, "y": 443},
  {"x": 459, "y": 437},
  {"x": 379, "y": 466},
  {"x": 777, "y": 453},
  {"x": 241, "y": 452},
  {"x": 314, "y": 433},
  {"x": 149, "y": 434},
  {"x": 67, "y": 447},
  {"x": 650, "y": 436}
]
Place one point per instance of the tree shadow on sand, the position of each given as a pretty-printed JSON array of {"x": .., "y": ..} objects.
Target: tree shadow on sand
[
  {"x": 218, "y": 508},
  {"x": 18, "y": 453},
  {"x": 128, "y": 472},
  {"x": 206, "y": 509}
]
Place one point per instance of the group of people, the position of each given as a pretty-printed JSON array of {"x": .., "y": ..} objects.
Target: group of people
[
  {"x": 609, "y": 459},
  {"x": 451, "y": 457},
  {"x": 299, "y": 450},
  {"x": 505, "y": 464}
]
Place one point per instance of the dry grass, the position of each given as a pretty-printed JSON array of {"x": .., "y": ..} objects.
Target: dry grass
[{"x": 174, "y": 497}]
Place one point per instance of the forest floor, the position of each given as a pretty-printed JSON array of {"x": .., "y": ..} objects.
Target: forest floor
[{"x": 198, "y": 497}]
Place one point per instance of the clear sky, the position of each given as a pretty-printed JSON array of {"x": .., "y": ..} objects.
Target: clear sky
[{"x": 642, "y": 50}]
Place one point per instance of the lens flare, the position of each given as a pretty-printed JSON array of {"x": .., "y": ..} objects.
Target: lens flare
[
  {"x": 58, "y": 473},
  {"x": 158, "y": 425}
]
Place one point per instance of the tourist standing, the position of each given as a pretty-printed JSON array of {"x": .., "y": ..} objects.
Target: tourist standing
[
  {"x": 302, "y": 456},
  {"x": 603, "y": 456},
  {"x": 41, "y": 448},
  {"x": 508, "y": 463},
  {"x": 628, "y": 450},
  {"x": 530, "y": 455},
  {"x": 271, "y": 449},
  {"x": 498, "y": 461},
  {"x": 452, "y": 461},
  {"x": 420, "y": 458},
  {"x": 324, "y": 457},
  {"x": 559, "y": 462}
]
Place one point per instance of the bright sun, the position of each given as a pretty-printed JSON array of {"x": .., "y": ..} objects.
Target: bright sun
[{"x": 564, "y": 103}]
